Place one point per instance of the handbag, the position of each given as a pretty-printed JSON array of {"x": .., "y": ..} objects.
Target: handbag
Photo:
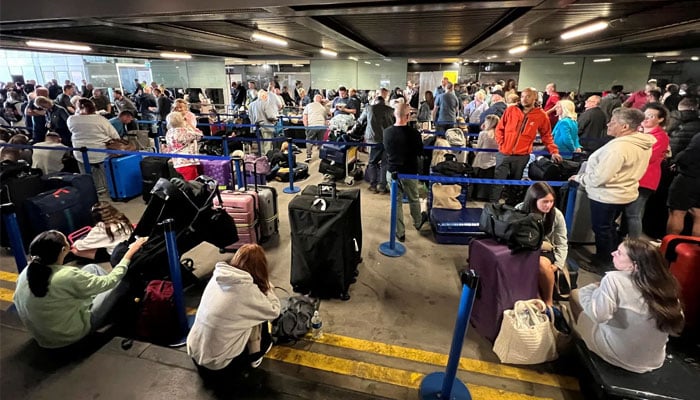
[
  {"x": 527, "y": 335},
  {"x": 445, "y": 196},
  {"x": 120, "y": 144}
]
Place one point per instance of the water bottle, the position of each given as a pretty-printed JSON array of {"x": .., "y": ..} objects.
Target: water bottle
[{"x": 316, "y": 326}]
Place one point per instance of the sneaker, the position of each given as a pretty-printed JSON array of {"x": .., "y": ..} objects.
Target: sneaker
[
  {"x": 401, "y": 238},
  {"x": 423, "y": 220},
  {"x": 256, "y": 363},
  {"x": 372, "y": 189}
]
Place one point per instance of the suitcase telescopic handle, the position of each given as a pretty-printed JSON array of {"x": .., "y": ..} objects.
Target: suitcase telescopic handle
[
  {"x": 671, "y": 254},
  {"x": 327, "y": 187}
]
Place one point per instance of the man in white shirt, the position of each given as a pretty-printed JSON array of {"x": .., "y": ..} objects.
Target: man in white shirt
[
  {"x": 49, "y": 161},
  {"x": 315, "y": 118}
]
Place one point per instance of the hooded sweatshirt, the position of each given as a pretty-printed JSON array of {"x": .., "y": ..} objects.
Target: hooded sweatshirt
[
  {"x": 231, "y": 306},
  {"x": 613, "y": 171}
]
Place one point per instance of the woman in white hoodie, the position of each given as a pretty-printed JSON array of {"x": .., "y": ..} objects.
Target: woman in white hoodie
[{"x": 230, "y": 330}]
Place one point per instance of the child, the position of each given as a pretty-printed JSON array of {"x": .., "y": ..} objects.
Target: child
[{"x": 485, "y": 162}]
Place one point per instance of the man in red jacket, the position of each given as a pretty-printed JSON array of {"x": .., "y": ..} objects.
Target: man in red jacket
[{"x": 515, "y": 134}]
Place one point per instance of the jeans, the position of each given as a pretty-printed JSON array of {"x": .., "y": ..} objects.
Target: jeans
[
  {"x": 104, "y": 303},
  {"x": 507, "y": 167},
  {"x": 634, "y": 212},
  {"x": 603, "y": 223},
  {"x": 313, "y": 134},
  {"x": 410, "y": 188},
  {"x": 377, "y": 166}
]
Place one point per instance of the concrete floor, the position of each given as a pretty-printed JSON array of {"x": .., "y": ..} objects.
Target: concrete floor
[{"x": 408, "y": 301}]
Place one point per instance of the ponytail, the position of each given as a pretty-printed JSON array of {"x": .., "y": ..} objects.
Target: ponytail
[{"x": 38, "y": 275}]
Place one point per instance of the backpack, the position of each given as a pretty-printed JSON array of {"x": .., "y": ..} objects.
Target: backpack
[
  {"x": 157, "y": 319},
  {"x": 518, "y": 229},
  {"x": 455, "y": 137},
  {"x": 295, "y": 319}
]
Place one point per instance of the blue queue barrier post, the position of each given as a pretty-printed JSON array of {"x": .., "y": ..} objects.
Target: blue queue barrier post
[
  {"x": 392, "y": 248},
  {"x": 439, "y": 385},
  {"x": 176, "y": 276},
  {"x": 291, "y": 189},
  {"x": 9, "y": 219},
  {"x": 86, "y": 160},
  {"x": 570, "y": 205},
  {"x": 240, "y": 178}
]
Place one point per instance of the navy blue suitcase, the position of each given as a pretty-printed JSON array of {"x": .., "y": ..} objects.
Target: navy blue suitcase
[
  {"x": 455, "y": 226},
  {"x": 123, "y": 177},
  {"x": 64, "y": 209},
  {"x": 333, "y": 152},
  {"x": 82, "y": 182}
]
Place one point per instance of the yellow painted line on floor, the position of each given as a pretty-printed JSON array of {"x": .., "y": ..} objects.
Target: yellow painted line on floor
[
  {"x": 465, "y": 364},
  {"x": 379, "y": 373},
  {"x": 8, "y": 276},
  {"x": 6, "y": 294}
]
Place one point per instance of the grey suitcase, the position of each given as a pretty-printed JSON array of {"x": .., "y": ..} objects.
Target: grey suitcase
[
  {"x": 580, "y": 230},
  {"x": 267, "y": 206}
]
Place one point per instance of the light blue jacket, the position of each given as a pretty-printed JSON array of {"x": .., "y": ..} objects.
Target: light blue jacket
[{"x": 566, "y": 136}]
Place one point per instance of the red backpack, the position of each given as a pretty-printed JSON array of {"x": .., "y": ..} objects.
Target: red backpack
[{"x": 157, "y": 321}]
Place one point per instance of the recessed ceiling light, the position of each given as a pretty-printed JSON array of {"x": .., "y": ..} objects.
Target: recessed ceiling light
[
  {"x": 414, "y": 62},
  {"x": 368, "y": 63},
  {"x": 329, "y": 53},
  {"x": 491, "y": 57},
  {"x": 455, "y": 63},
  {"x": 353, "y": 58},
  {"x": 650, "y": 56},
  {"x": 569, "y": 62},
  {"x": 58, "y": 46},
  {"x": 176, "y": 55},
  {"x": 602, "y": 60},
  {"x": 476, "y": 61},
  {"x": 518, "y": 49},
  {"x": 671, "y": 62},
  {"x": 584, "y": 30},
  {"x": 653, "y": 60},
  {"x": 695, "y": 58},
  {"x": 268, "y": 39},
  {"x": 376, "y": 65},
  {"x": 297, "y": 65}
]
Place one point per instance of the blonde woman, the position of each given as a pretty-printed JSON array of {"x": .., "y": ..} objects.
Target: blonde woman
[
  {"x": 565, "y": 132},
  {"x": 182, "y": 139},
  {"x": 182, "y": 107}
]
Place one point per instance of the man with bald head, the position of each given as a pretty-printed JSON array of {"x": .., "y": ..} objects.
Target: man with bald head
[
  {"x": 592, "y": 128},
  {"x": 403, "y": 145},
  {"x": 315, "y": 117},
  {"x": 515, "y": 133}
]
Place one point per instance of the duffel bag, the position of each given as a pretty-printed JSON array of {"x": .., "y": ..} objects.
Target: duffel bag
[
  {"x": 544, "y": 169},
  {"x": 518, "y": 229}
]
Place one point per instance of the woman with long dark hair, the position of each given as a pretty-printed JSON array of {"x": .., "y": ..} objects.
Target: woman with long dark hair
[
  {"x": 111, "y": 228},
  {"x": 60, "y": 304},
  {"x": 230, "y": 330},
  {"x": 555, "y": 248},
  {"x": 627, "y": 317},
  {"x": 425, "y": 111}
]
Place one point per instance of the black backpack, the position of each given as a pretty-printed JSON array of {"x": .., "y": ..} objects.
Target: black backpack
[
  {"x": 295, "y": 319},
  {"x": 518, "y": 229}
]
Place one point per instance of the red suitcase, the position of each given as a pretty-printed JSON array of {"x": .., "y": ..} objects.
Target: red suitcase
[
  {"x": 505, "y": 278},
  {"x": 244, "y": 208},
  {"x": 683, "y": 255}
]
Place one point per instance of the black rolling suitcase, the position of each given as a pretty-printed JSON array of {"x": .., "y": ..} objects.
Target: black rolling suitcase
[
  {"x": 324, "y": 251},
  {"x": 152, "y": 169},
  {"x": 18, "y": 182}
]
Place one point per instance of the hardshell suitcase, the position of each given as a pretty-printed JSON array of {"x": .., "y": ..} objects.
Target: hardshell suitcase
[
  {"x": 455, "y": 226},
  {"x": 333, "y": 152},
  {"x": 243, "y": 207},
  {"x": 123, "y": 177},
  {"x": 683, "y": 255},
  {"x": 505, "y": 278},
  {"x": 65, "y": 209},
  {"x": 220, "y": 170},
  {"x": 324, "y": 251},
  {"x": 83, "y": 182},
  {"x": 581, "y": 230},
  {"x": 153, "y": 168},
  {"x": 268, "y": 214}
]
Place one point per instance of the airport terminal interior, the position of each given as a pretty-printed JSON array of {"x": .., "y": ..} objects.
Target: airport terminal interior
[{"x": 401, "y": 320}]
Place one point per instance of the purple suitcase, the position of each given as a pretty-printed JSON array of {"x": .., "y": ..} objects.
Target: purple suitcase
[
  {"x": 220, "y": 170},
  {"x": 504, "y": 278}
]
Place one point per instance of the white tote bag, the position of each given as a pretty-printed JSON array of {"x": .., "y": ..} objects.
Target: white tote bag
[{"x": 527, "y": 335}]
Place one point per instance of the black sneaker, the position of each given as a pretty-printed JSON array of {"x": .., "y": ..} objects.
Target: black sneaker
[
  {"x": 423, "y": 220},
  {"x": 401, "y": 238}
]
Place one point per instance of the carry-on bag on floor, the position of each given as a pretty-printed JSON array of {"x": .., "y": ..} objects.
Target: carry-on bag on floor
[
  {"x": 301, "y": 171},
  {"x": 152, "y": 169},
  {"x": 455, "y": 226},
  {"x": 324, "y": 251},
  {"x": 123, "y": 177},
  {"x": 64, "y": 209},
  {"x": 220, "y": 170},
  {"x": 505, "y": 278},
  {"x": 83, "y": 182},
  {"x": 355, "y": 220},
  {"x": 581, "y": 230},
  {"x": 337, "y": 171},
  {"x": 683, "y": 255},
  {"x": 18, "y": 182}
]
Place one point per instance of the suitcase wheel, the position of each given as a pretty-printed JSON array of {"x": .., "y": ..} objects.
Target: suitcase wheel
[
  {"x": 349, "y": 181},
  {"x": 344, "y": 296}
]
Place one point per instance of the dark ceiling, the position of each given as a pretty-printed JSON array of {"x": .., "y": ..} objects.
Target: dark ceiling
[{"x": 437, "y": 31}]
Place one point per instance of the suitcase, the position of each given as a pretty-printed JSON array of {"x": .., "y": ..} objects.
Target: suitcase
[
  {"x": 683, "y": 255},
  {"x": 153, "y": 168},
  {"x": 455, "y": 226},
  {"x": 301, "y": 171},
  {"x": 243, "y": 208},
  {"x": 123, "y": 177},
  {"x": 65, "y": 209},
  {"x": 268, "y": 213},
  {"x": 333, "y": 152},
  {"x": 337, "y": 171},
  {"x": 505, "y": 278},
  {"x": 220, "y": 170},
  {"x": 581, "y": 230},
  {"x": 324, "y": 251},
  {"x": 355, "y": 220},
  {"x": 83, "y": 182},
  {"x": 18, "y": 182}
]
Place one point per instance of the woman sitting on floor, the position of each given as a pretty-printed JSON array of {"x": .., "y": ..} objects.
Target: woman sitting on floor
[
  {"x": 230, "y": 332},
  {"x": 111, "y": 228},
  {"x": 555, "y": 247},
  {"x": 627, "y": 317},
  {"x": 61, "y": 304}
]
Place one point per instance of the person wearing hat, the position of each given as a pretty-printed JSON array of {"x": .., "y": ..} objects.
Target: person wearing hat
[
  {"x": 344, "y": 104},
  {"x": 498, "y": 106},
  {"x": 49, "y": 161}
]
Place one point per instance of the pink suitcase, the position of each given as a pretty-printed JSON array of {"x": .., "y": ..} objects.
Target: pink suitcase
[
  {"x": 220, "y": 170},
  {"x": 243, "y": 207}
]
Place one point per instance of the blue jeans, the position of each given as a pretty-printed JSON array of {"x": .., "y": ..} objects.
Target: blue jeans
[
  {"x": 410, "y": 188},
  {"x": 603, "y": 223},
  {"x": 104, "y": 303},
  {"x": 377, "y": 166},
  {"x": 634, "y": 212}
]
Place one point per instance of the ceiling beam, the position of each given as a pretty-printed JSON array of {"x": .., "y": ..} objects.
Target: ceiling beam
[{"x": 663, "y": 32}]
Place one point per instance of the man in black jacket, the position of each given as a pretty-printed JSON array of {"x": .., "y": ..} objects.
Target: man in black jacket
[
  {"x": 403, "y": 145},
  {"x": 56, "y": 118},
  {"x": 685, "y": 125},
  {"x": 684, "y": 193},
  {"x": 378, "y": 117},
  {"x": 592, "y": 125}
]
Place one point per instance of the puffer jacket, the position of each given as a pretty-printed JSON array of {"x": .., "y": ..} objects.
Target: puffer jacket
[{"x": 680, "y": 136}]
